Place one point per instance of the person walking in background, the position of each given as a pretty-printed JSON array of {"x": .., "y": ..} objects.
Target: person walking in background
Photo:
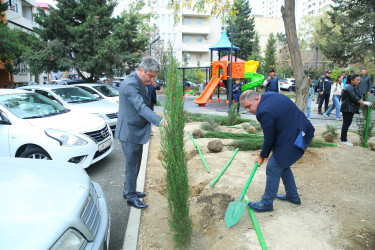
[
  {"x": 325, "y": 84},
  {"x": 237, "y": 92},
  {"x": 335, "y": 96},
  {"x": 287, "y": 133},
  {"x": 351, "y": 99},
  {"x": 343, "y": 79},
  {"x": 152, "y": 90},
  {"x": 271, "y": 82},
  {"x": 134, "y": 124},
  {"x": 311, "y": 97},
  {"x": 365, "y": 84}
]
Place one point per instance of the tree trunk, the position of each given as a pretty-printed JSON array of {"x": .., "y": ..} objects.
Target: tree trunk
[
  {"x": 302, "y": 90},
  {"x": 110, "y": 79}
]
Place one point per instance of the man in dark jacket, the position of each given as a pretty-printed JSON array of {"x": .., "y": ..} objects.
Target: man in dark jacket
[
  {"x": 325, "y": 84},
  {"x": 152, "y": 90},
  {"x": 271, "y": 82},
  {"x": 365, "y": 84},
  {"x": 288, "y": 133}
]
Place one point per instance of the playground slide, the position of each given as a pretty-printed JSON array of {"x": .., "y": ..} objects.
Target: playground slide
[
  {"x": 256, "y": 80},
  {"x": 208, "y": 91}
]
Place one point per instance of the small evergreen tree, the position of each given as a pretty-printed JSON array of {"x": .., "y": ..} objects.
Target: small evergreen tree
[
  {"x": 361, "y": 121},
  {"x": 174, "y": 158},
  {"x": 270, "y": 54}
]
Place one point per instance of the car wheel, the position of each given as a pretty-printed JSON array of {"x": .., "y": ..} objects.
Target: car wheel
[{"x": 35, "y": 153}]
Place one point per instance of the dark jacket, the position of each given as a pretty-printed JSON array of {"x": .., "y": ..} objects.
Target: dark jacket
[
  {"x": 151, "y": 90},
  {"x": 365, "y": 84},
  {"x": 273, "y": 85},
  {"x": 325, "y": 84},
  {"x": 349, "y": 99},
  {"x": 236, "y": 92},
  {"x": 282, "y": 122}
]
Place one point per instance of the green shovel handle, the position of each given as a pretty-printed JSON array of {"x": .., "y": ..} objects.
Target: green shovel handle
[{"x": 248, "y": 181}]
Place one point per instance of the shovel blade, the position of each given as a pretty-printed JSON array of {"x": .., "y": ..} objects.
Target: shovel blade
[{"x": 234, "y": 213}]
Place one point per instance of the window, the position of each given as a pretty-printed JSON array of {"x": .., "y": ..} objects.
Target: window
[
  {"x": 23, "y": 68},
  {"x": 187, "y": 20},
  {"x": 199, "y": 21},
  {"x": 186, "y": 39},
  {"x": 162, "y": 20},
  {"x": 169, "y": 20},
  {"x": 198, "y": 56},
  {"x": 199, "y": 39},
  {"x": 13, "y": 5}
]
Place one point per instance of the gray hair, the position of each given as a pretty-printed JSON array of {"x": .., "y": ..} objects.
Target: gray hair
[
  {"x": 249, "y": 95},
  {"x": 149, "y": 64}
]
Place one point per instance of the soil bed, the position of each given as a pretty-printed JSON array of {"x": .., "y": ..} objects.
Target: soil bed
[{"x": 336, "y": 185}]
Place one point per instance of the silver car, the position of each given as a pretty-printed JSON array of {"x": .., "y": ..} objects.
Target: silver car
[
  {"x": 50, "y": 205},
  {"x": 78, "y": 99}
]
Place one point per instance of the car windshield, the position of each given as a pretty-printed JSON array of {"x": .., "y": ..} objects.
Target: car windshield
[
  {"x": 31, "y": 105},
  {"x": 107, "y": 91},
  {"x": 75, "y": 95}
]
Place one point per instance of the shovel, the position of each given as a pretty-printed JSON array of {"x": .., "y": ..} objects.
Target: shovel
[{"x": 236, "y": 209}]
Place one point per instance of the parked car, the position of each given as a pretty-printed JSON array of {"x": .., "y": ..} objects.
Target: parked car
[
  {"x": 116, "y": 84},
  {"x": 101, "y": 90},
  {"x": 20, "y": 84},
  {"x": 33, "y": 126},
  {"x": 287, "y": 85},
  {"x": 50, "y": 205},
  {"x": 77, "y": 99}
]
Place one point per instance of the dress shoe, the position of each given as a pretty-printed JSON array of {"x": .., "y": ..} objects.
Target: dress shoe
[
  {"x": 260, "y": 207},
  {"x": 137, "y": 204},
  {"x": 140, "y": 194},
  {"x": 320, "y": 113},
  {"x": 283, "y": 197}
]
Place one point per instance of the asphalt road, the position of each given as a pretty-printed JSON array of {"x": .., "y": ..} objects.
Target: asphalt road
[{"x": 109, "y": 173}]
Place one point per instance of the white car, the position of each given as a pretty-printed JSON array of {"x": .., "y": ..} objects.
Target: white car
[
  {"x": 104, "y": 91},
  {"x": 50, "y": 205},
  {"x": 33, "y": 126},
  {"x": 287, "y": 84},
  {"x": 77, "y": 99}
]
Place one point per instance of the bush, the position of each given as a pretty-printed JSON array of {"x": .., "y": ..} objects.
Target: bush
[{"x": 210, "y": 125}]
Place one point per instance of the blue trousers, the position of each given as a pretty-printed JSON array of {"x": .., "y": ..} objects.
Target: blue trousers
[
  {"x": 274, "y": 172},
  {"x": 133, "y": 157},
  {"x": 336, "y": 104},
  {"x": 308, "y": 109}
]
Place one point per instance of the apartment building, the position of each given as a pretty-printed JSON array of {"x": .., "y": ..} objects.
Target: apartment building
[
  {"x": 20, "y": 16},
  {"x": 191, "y": 36}
]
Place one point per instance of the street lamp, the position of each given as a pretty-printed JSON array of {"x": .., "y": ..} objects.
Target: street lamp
[
  {"x": 316, "y": 64},
  {"x": 154, "y": 41}
]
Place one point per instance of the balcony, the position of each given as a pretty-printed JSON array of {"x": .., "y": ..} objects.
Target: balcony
[
  {"x": 195, "y": 47},
  {"x": 195, "y": 29}
]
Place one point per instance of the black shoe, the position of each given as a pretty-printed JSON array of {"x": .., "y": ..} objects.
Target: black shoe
[
  {"x": 283, "y": 197},
  {"x": 137, "y": 204},
  {"x": 140, "y": 194},
  {"x": 260, "y": 207},
  {"x": 320, "y": 113}
]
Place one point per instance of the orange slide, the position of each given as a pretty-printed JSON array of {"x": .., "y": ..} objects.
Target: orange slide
[{"x": 208, "y": 91}]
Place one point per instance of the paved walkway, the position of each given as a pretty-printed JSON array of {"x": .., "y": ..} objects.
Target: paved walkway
[{"x": 215, "y": 108}]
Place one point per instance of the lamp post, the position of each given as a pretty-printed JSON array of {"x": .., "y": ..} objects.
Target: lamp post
[
  {"x": 316, "y": 64},
  {"x": 154, "y": 41}
]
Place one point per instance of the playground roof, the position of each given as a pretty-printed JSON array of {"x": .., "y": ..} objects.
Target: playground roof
[
  {"x": 223, "y": 44},
  {"x": 227, "y": 58}
]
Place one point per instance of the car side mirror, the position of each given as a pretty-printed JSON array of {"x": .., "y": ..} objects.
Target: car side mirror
[{"x": 4, "y": 120}]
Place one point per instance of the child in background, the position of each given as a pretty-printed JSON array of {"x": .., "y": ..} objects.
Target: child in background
[{"x": 237, "y": 92}]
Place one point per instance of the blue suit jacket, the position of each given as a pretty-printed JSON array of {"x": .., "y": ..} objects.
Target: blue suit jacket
[
  {"x": 135, "y": 116},
  {"x": 281, "y": 122},
  {"x": 152, "y": 91}
]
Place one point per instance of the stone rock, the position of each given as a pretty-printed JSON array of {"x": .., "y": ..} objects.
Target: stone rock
[
  {"x": 371, "y": 143},
  {"x": 328, "y": 137},
  {"x": 215, "y": 146},
  {"x": 252, "y": 130},
  {"x": 197, "y": 133},
  {"x": 190, "y": 154}
]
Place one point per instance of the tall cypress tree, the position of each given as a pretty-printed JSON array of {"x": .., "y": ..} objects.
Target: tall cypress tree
[{"x": 243, "y": 29}]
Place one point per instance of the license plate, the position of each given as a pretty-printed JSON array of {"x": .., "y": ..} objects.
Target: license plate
[{"x": 104, "y": 145}]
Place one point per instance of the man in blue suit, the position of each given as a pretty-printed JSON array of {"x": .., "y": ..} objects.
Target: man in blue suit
[
  {"x": 134, "y": 124},
  {"x": 152, "y": 90},
  {"x": 288, "y": 133}
]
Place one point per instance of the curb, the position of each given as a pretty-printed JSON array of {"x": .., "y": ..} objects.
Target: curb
[{"x": 132, "y": 229}]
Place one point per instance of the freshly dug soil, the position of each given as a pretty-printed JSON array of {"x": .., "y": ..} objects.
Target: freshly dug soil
[{"x": 336, "y": 186}]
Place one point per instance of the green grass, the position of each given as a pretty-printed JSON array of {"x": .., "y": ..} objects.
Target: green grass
[
  {"x": 246, "y": 141},
  {"x": 291, "y": 96},
  {"x": 221, "y": 120}
]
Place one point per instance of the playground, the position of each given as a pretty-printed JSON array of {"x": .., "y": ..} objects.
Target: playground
[{"x": 337, "y": 197}]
